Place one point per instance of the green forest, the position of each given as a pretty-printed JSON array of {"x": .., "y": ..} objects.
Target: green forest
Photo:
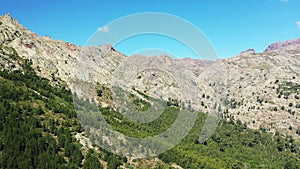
[
  {"x": 38, "y": 127},
  {"x": 38, "y": 124}
]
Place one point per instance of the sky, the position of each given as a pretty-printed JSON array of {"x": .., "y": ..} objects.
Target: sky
[{"x": 231, "y": 26}]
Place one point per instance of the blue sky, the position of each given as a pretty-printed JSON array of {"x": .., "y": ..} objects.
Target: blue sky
[{"x": 231, "y": 25}]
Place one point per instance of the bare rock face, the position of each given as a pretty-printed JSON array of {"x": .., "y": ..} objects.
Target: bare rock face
[
  {"x": 9, "y": 29},
  {"x": 260, "y": 89},
  {"x": 284, "y": 46},
  {"x": 53, "y": 59},
  {"x": 247, "y": 52}
]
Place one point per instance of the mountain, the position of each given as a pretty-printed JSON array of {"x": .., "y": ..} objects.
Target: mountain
[
  {"x": 284, "y": 46},
  {"x": 256, "y": 84},
  {"x": 256, "y": 94}
]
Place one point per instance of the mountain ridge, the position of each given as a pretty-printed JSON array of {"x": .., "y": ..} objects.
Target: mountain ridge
[
  {"x": 250, "y": 85},
  {"x": 293, "y": 44}
]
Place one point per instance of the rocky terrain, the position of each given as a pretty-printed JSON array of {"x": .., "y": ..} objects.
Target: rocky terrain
[
  {"x": 263, "y": 89},
  {"x": 284, "y": 46},
  {"x": 260, "y": 89}
]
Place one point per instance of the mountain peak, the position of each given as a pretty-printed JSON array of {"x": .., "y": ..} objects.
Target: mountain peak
[
  {"x": 248, "y": 51},
  {"x": 7, "y": 18},
  {"x": 283, "y": 46},
  {"x": 7, "y": 15}
]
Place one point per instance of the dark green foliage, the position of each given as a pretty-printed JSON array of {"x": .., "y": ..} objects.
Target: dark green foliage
[
  {"x": 287, "y": 88},
  {"x": 292, "y": 164},
  {"x": 91, "y": 161},
  {"x": 99, "y": 92},
  {"x": 27, "y": 132},
  {"x": 298, "y": 131},
  {"x": 134, "y": 129},
  {"x": 233, "y": 146},
  {"x": 141, "y": 104},
  {"x": 113, "y": 161}
]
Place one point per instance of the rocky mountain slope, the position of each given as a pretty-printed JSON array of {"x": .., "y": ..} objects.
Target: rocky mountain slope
[
  {"x": 284, "y": 46},
  {"x": 260, "y": 89},
  {"x": 263, "y": 89}
]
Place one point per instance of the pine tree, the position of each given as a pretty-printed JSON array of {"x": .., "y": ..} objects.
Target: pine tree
[{"x": 91, "y": 161}]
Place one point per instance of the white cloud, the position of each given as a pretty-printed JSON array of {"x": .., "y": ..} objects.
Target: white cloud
[
  {"x": 298, "y": 23},
  {"x": 284, "y": 0},
  {"x": 103, "y": 29}
]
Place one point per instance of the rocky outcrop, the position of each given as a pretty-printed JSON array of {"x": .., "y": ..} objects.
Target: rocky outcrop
[
  {"x": 248, "y": 51},
  {"x": 284, "y": 46},
  {"x": 9, "y": 29}
]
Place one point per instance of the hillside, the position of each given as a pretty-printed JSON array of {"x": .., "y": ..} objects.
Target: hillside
[
  {"x": 258, "y": 93},
  {"x": 251, "y": 85}
]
